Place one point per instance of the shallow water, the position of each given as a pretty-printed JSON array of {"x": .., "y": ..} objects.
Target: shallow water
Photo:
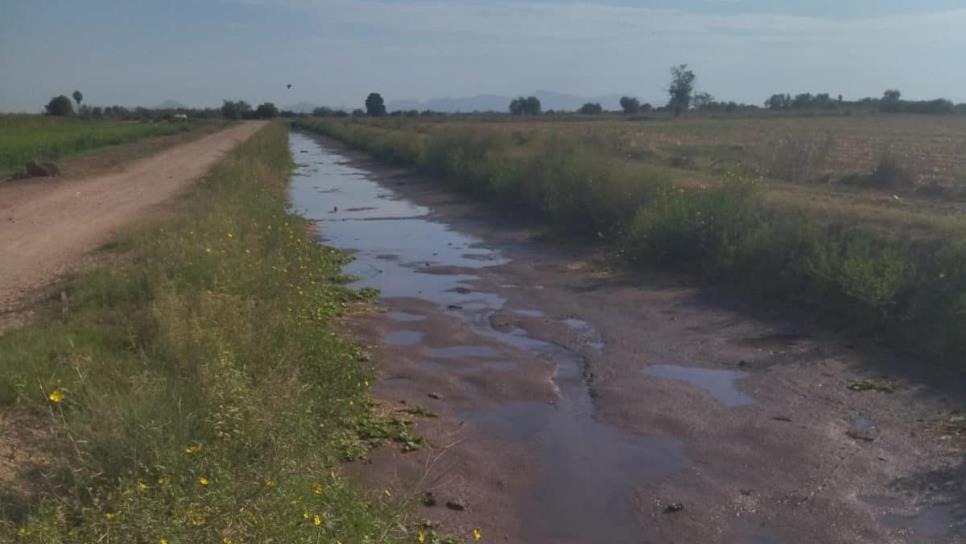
[
  {"x": 722, "y": 384},
  {"x": 589, "y": 467}
]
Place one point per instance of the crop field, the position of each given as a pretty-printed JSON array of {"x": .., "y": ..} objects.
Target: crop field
[
  {"x": 861, "y": 217},
  {"x": 27, "y": 137}
]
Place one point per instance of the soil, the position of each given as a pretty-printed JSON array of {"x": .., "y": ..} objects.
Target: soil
[
  {"x": 580, "y": 402},
  {"x": 48, "y": 225}
]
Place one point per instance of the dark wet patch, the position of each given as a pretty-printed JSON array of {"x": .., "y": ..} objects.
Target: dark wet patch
[
  {"x": 455, "y": 352},
  {"x": 770, "y": 341},
  {"x": 934, "y": 524},
  {"x": 720, "y": 383},
  {"x": 404, "y": 338},
  {"x": 405, "y": 317}
]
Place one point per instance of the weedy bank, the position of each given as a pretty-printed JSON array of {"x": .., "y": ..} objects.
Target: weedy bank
[
  {"x": 196, "y": 389},
  {"x": 28, "y": 137},
  {"x": 881, "y": 270}
]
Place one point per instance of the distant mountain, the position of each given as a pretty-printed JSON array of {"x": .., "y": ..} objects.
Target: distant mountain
[
  {"x": 549, "y": 100},
  {"x": 171, "y": 105}
]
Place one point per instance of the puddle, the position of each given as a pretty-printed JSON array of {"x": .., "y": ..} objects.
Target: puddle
[
  {"x": 934, "y": 524},
  {"x": 576, "y": 324},
  {"x": 405, "y": 317},
  {"x": 404, "y": 338},
  {"x": 720, "y": 383},
  {"x": 456, "y": 352},
  {"x": 589, "y": 468}
]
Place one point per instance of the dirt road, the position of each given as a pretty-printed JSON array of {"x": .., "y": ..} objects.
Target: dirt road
[
  {"x": 580, "y": 404},
  {"x": 46, "y": 225}
]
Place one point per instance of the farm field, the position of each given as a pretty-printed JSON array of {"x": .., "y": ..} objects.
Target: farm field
[
  {"x": 856, "y": 215},
  {"x": 27, "y": 137}
]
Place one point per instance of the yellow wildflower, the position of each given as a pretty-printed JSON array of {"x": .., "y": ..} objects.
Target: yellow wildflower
[
  {"x": 110, "y": 515},
  {"x": 191, "y": 450},
  {"x": 317, "y": 489},
  {"x": 421, "y": 537},
  {"x": 317, "y": 520},
  {"x": 226, "y": 540},
  {"x": 202, "y": 481},
  {"x": 142, "y": 486},
  {"x": 56, "y": 396},
  {"x": 270, "y": 483},
  {"x": 477, "y": 534},
  {"x": 305, "y": 514},
  {"x": 163, "y": 541},
  {"x": 162, "y": 481}
]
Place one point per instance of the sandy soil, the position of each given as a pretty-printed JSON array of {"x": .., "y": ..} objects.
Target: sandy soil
[
  {"x": 698, "y": 417},
  {"x": 47, "y": 225}
]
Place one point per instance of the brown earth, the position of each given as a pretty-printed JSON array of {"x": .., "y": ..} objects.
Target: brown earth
[
  {"x": 47, "y": 225},
  {"x": 785, "y": 452}
]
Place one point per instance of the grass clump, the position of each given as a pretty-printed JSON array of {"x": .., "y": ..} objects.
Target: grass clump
[{"x": 198, "y": 392}]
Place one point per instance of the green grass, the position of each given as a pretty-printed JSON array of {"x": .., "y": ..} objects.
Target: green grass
[
  {"x": 899, "y": 275},
  {"x": 27, "y": 137},
  {"x": 198, "y": 390}
]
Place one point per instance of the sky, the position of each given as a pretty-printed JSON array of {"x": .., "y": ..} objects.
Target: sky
[{"x": 334, "y": 52}]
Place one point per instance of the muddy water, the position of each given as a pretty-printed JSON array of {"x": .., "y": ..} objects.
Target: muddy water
[{"x": 589, "y": 468}]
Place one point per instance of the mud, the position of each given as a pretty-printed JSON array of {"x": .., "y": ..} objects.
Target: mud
[{"x": 582, "y": 404}]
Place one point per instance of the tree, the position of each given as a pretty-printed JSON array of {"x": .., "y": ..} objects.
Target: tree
[
  {"x": 682, "y": 85},
  {"x": 525, "y": 106},
  {"x": 778, "y": 102},
  {"x": 322, "y": 111},
  {"x": 703, "y": 101},
  {"x": 235, "y": 110},
  {"x": 891, "y": 100},
  {"x": 60, "y": 106},
  {"x": 630, "y": 105},
  {"x": 591, "y": 108},
  {"x": 78, "y": 97},
  {"x": 375, "y": 106},
  {"x": 266, "y": 110}
]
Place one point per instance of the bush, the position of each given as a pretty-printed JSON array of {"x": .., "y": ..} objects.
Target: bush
[{"x": 59, "y": 106}]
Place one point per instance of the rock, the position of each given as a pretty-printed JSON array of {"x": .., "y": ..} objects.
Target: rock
[
  {"x": 436, "y": 396},
  {"x": 36, "y": 169},
  {"x": 673, "y": 507},
  {"x": 456, "y": 504}
]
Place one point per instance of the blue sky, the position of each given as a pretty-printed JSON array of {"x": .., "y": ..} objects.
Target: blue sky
[{"x": 336, "y": 51}]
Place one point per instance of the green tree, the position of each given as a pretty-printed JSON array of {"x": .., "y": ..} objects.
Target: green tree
[
  {"x": 703, "y": 101},
  {"x": 682, "y": 86},
  {"x": 266, "y": 110},
  {"x": 60, "y": 106},
  {"x": 778, "y": 102},
  {"x": 891, "y": 101},
  {"x": 235, "y": 110},
  {"x": 630, "y": 105},
  {"x": 525, "y": 106},
  {"x": 591, "y": 108},
  {"x": 375, "y": 105},
  {"x": 78, "y": 97}
]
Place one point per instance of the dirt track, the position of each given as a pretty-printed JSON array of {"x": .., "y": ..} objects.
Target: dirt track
[{"x": 45, "y": 226}]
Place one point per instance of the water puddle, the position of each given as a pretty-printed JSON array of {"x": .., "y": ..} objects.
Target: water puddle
[
  {"x": 722, "y": 384},
  {"x": 404, "y": 338},
  {"x": 405, "y": 317},
  {"x": 589, "y": 468}
]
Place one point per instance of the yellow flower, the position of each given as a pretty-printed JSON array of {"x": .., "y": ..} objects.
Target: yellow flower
[
  {"x": 56, "y": 396},
  {"x": 162, "y": 481},
  {"x": 197, "y": 521},
  {"x": 110, "y": 515},
  {"x": 305, "y": 515},
  {"x": 24, "y": 531},
  {"x": 477, "y": 534},
  {"x": 142, "y": 486},
  {"x": 191, "y": 450},
  {"x": 270, "y": 483},
  {"x": 421, "y": 537},
  {"x": 226, "y": 540},
  {"x": 203, "y": 481},
  {"x": 317, "y": 489},
  {"x": 317, "y": 520},
  {"x": 163, "y": 541}
]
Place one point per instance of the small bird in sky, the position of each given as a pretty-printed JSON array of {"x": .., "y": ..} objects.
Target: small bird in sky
[{"x": 289, "y": 86}]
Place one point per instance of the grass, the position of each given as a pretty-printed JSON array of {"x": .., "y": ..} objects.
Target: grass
[
  {"x": 28, "y": 137},
  {"x": 894, "y": 272},
  {"x": 198, "y": 390}
]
